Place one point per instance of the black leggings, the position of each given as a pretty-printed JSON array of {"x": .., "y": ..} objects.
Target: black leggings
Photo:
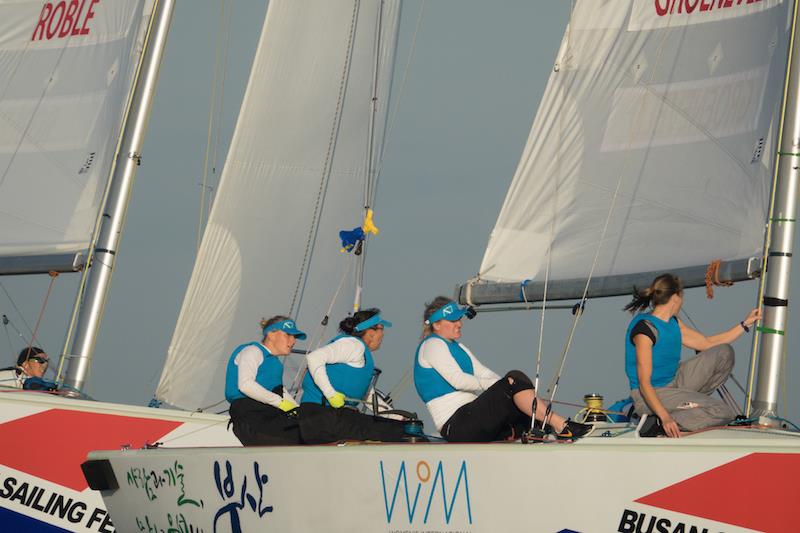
[
  {"x": 492, "y": 415},
  {"x": 256, "y": 423},
  {"x": 321, "y": 424}
]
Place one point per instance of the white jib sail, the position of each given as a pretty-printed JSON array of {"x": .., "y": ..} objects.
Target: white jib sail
[
  {"x": 66, "y": 70},
  {"x": 293, "y": 178},
  {"x": 669, "y": 102}
]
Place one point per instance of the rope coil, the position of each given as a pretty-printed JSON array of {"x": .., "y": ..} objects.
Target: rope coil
[{"x": 712, "y": 278}]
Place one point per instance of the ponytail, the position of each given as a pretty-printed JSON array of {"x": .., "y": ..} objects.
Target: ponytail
[
  {"x": 640, "y": 301},
  {"x": 348, "y": 325},
  {"x": 658, "y": 293}
]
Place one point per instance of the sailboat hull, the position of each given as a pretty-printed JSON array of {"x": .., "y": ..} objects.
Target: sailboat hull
[
  {"x": 45, "y": 438},
  {"x": 723, "y": 480}
]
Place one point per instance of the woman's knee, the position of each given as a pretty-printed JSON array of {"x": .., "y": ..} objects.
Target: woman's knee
[
  {"x": 727, "y": 354},
  {"x": 518, "y": 381}
]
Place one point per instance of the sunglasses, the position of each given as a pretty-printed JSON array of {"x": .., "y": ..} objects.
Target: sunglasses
[
  {"x": 40, "y": 360},
  {"x": 379, "y": 328}
]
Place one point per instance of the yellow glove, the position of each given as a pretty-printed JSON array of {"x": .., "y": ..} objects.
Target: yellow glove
[
  {"x": 287, "y": 405},
  {"x": 337, "y": 400}
]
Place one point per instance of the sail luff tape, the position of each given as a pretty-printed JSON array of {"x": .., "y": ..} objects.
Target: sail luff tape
[
  {"x": 780, "y": 254},
  {"x": 797, "y": 154},
  {"x": 783, "y": 219},
  {"x": 770, "y": 330}
]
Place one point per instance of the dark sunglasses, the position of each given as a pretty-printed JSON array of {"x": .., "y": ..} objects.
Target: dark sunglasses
[
  {"x": 40, "y": 360},
  {"x": 379, "y": 328}
]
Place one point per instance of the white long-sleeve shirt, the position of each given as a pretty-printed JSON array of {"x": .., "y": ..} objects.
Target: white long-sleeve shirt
[
  {"x": 435, "y": 354},
  {"x": 248, "y": 361}
]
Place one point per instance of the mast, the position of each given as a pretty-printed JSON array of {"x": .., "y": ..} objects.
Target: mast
[
  {"x": 113, "y": 217},
  {"x": 782, "y": 226}
]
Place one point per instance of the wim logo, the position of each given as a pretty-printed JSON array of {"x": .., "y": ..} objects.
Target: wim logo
[{"x": 427, "y": 487}]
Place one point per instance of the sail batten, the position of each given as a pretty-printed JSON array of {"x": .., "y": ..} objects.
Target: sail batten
[{"x": 650, "y": 150}]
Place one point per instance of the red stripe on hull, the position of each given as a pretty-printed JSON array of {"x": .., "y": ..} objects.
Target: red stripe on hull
[
  {"x": 757, "y": 491},
  {"x": 52, "y": 444}
]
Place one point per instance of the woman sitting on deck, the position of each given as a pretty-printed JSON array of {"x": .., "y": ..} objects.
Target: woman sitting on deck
[
  {"x": 677, "y": 392},
  {"x": 338, "y": 378},
  {"x": 262, "y": 411},
  {"x": 467, "y": 401}
]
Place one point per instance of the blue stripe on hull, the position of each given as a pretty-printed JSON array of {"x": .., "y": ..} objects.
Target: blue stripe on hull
[{"x": 13, "y": 521}]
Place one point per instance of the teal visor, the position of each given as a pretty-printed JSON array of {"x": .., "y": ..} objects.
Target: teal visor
[
  {"x": 451, "y": 312},
  {"x": 286, "y": 326},
  {"x": 371, "y": 322}
]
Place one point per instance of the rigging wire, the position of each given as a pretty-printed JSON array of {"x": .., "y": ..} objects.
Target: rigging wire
[
  {"x": 19, "y": 313},
  {"x": 319, "y": 330},
  {"x": 402, "y": 385},
  {"x": 392, "y": 121},
  {"x": 6, "y": 323},
  {"x": 360, "y": 258},
  {"x": 553, "y": 204}
]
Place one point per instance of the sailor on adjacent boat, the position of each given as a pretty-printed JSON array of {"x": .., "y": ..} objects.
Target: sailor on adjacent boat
[
  {"x": 31, "y": 363},
  {"x": 340, "y": 375},
  {"x": 467, "y": 401},
  {"x": 677, "y": 392},
  {"x": 262, "y": 411}
]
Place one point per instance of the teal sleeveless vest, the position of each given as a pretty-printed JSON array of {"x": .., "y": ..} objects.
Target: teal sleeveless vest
[
  {"x": 666, "y": 351},
  {"x": 269, "y": 375},
  {"x": 429, "y": 383}
]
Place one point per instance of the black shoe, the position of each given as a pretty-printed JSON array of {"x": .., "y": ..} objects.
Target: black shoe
[
  {"x": 573, "y": 430},
  {"x": 652, "y": 427}
]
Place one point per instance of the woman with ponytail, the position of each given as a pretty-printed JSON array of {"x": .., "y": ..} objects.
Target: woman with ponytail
[
  {"x": 677, "y": 392},
  {"x": 339, "y": 378}
]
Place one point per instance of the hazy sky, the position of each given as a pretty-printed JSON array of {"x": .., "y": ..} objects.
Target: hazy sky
[{"x": 472, "y": 91}]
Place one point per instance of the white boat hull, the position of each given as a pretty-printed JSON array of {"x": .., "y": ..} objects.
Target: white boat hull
[
  {"x": 724, "y": 480},
  {"x": 45, "y": 438}
]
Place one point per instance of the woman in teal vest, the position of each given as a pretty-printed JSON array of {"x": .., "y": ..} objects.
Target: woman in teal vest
[
  {"x": 339, "y": 378},
  {"x": 467, "y": 401},
  {"x": 262, "y": 411},
  {"x": 676, "y": 392}
]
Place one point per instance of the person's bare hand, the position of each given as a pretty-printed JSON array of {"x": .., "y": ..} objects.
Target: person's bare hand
[
  {"x": 753, "y": 317},
  {"x": 670, "y": 427}
]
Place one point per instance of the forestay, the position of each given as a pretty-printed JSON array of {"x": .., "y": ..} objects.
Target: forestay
[
  {"x": 661, "y": 114},
  {"x": 294, "y": 177},
  {"x": 66, "y": 71}
]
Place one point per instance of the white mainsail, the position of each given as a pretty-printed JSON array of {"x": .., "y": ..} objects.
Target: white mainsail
[
  {"x": 66, "y": 71},
  {"x": 660, "y": 115},
  {"x": 295, "y": 175}
]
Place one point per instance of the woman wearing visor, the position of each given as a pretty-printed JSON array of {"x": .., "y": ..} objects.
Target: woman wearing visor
[
  {"x": 467, "y": 401},
  {"x": 262, "y": 411},
  {"x": 339, "y": 379}
]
